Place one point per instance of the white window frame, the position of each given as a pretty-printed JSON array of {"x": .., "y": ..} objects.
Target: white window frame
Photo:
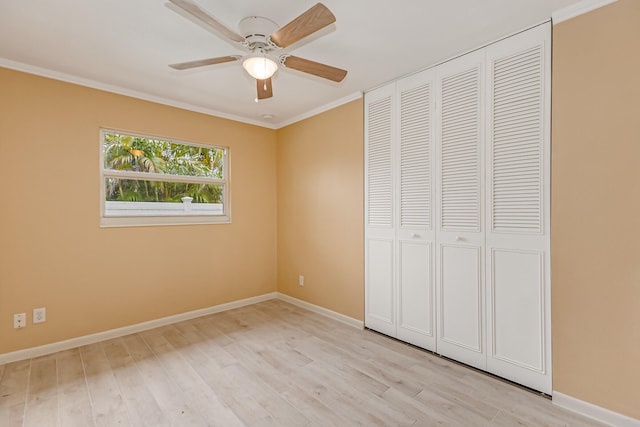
[{"x": 165, "y": 219}]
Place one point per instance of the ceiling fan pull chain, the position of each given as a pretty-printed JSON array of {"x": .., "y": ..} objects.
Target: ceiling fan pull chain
[{"x": 264, "y": 64}]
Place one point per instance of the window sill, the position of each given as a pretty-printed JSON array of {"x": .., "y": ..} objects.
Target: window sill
[{"x": 149, "y": 221}]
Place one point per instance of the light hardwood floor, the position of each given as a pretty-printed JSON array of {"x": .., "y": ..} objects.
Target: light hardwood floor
[{"x": 269, "y": 364}]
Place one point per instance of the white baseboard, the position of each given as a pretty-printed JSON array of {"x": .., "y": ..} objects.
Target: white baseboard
[
  {"x": 597, "y": 413},
  {"x": 578, "y": 9},
  {"x": 321, "y": 310},
  {"x": 42, "y": 350}
]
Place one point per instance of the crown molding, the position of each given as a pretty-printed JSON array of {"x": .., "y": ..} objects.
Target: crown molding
[
  {"x": 321, "y": 109},
  {"x": 69, "y": 78},
  {"x": 578, "y": 9}
]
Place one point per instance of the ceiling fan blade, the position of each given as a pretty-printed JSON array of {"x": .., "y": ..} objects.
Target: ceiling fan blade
[
  {"x": 316, "y": 68},
  {"x": 314, "y": 19},
  {"x": 203, "y": 62},
  {"x": 265, "y": 90},
  {"x": 195, "y": 11}
]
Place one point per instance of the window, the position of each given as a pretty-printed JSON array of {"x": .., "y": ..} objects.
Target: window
[{"x": 153, "y": 181}]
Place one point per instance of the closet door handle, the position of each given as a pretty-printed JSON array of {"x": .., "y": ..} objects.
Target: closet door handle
[
  {"x": 415, "y": 235},
  {"x": 460, "y": 239}
]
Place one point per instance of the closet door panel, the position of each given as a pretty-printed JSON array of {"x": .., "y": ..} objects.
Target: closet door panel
[
  {"x": 415, "y": 315},
  {"x": 461, "y": 300},
  {"x": 460, "y": 227},
  {"x": 379, "y": 297},
  {"x": 379, "y": 180},
  {"x": 518, "y": 197},
  {"x": 518, "y": 321},
  {"x": 415, "y": 229}
]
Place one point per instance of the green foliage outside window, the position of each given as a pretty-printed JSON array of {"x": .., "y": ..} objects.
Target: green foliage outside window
[{"x": 146, "y": 155}]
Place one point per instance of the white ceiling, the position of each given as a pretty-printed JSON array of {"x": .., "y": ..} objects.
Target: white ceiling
[{"x": 126, "y": 45}]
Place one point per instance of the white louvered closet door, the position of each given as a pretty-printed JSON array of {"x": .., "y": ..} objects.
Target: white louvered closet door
[
  {"x": 460, "y": 232},
  {"x": 380, "y": 271},
  {"x": 518, "y": 197},
  {"x": 415, "y": 231}
]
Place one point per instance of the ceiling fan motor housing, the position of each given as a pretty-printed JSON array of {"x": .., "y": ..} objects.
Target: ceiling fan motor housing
[{"x": 256, "y": 30}]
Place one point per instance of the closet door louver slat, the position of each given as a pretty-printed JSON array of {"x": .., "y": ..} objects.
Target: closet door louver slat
[
  {"x": 517, "y": 143},
  {"x": 460, "y": 183},
  {"x": 379, "y": 154},
  {"x": 415, "y": 161}
]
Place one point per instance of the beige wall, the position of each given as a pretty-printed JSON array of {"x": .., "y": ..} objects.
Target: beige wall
[
  {"x": 320, "y": 209},
  {"x": 595, "y": 215},
  {"x": 53, "y": 252}
]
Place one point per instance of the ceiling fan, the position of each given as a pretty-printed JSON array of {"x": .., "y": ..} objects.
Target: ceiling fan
[{"x": 261, "y": 38}]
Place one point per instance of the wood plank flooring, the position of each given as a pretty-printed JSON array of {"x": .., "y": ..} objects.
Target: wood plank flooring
[{"x": 269, "y": 364}]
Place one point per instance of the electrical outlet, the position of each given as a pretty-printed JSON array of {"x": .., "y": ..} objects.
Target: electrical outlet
[
  {"x": 19, "y": 320},
  {"x": 39, "y": 315},
  {"x": 301, "y": 280}
]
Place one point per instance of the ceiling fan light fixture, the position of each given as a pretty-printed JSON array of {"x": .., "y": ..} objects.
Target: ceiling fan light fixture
[{"x": 259, "y": 67}]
